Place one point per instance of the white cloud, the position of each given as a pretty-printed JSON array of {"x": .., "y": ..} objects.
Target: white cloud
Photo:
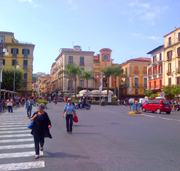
[
  {"x": 72, "y": 4},
  {"x": 30, "y": 1},
  {"x": 140, "y": 36}
]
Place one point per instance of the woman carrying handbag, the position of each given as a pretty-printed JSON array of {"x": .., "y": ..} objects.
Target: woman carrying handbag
[{"x": 40, "y": 130}]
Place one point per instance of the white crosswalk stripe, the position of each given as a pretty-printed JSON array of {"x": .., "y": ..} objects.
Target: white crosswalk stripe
[{"x": 17, "y": 142}]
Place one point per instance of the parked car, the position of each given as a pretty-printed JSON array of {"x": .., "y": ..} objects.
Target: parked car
[
  {"x": 157, "y": 106},
  {"x": 60, "y": 99}
]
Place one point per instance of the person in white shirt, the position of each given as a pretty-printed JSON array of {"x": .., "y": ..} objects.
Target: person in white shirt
[
  {"x": 9, "y": 105},
  {"x": 29, "y": 107}
]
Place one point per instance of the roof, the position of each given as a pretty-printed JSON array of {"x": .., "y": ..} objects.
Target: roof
[
  {"x": 105, "y": 49},
  {"x": 172, "y": 31},
  {"x": 141, "y": 59},
  {"x": 7, "y": 33},
  {"x": 159, "y": 47}
]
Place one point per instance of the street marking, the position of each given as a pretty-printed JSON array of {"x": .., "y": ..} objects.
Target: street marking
[
  {"x": 15, "y": 123},
  {"x": 15, "y": 135},
  {"x": 13, "y": 128},
  {"x": 165, "y": 118},
  {"x": 16, "y": 140},
  {"x": 16, "y": 146},
  {"x": 10, "y": 132},
  {"x": 149, "y": 116},
  {"x": 22, "y": 154},
  {"x": 22, "y": 166}
]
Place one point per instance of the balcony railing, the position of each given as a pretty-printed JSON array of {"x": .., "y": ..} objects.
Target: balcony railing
[
  {"x": 169, "y": 59},
  {"x": 136, "y": 72},
  {"x": 168, "y": 73},
  {"x": 159, "y": 62},
  {"x": 178, "y": 70}
]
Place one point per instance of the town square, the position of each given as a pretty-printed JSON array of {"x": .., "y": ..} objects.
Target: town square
[{"x": 89, "y": 85}]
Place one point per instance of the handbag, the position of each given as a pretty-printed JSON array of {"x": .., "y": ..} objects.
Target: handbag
[
  {"x": 75, "y": 119},
  {"x": 31, "y": 124}
]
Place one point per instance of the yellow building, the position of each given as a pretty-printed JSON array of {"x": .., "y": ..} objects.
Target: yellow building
[
  {"x": 134, "y": 85},
  {"x": 172, "y": 58},
  {"x": 23, "y": 54}
]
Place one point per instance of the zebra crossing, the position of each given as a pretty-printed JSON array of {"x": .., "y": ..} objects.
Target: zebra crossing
[{"x": 16, "y": 143}]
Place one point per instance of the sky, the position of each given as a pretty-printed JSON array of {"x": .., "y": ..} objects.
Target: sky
[{"x": 130, "y": 28}]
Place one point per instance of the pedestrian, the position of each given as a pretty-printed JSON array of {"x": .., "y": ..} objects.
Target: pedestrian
[
  {"x": 10, "y": 104},
  {"x": 118, "y": 102},
  {"x": 70, "y": 110},
  {"x": 41, "y": 127},
  {"x": 29, "y": 107}
]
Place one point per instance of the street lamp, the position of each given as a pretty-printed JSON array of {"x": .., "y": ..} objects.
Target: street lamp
[
  {"x": 3, "y": 50},
  {"x": 16, "y": 65}
]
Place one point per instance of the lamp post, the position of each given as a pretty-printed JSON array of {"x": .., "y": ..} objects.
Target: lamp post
[
  {"x": 3, "y": 50},
  {"x": 16, "y": 65}
]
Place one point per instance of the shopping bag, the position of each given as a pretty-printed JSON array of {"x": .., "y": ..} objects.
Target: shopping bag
[
  {"x": 75, "y": 119},
  {"x": 31, "y": 124}
]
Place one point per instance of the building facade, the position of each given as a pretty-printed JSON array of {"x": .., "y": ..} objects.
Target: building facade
[
  {"x": 155, "y": 69},
  {"x": 76, "y": 56},
  {"x": 172, "y": 58},
  {"x": 23, "y": 54},
  {"x": 135, "y": 83}
]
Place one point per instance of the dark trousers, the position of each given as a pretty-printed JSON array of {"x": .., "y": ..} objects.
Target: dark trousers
[
  {"x": 10, "y": 109},
  {"x": 29, "y": 111},
  {"x": 38, "y": 140},
  {"x": 69, "y": 122}
]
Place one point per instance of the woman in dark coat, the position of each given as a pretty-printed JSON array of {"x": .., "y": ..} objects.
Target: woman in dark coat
[{"x": 41, "y": 127}]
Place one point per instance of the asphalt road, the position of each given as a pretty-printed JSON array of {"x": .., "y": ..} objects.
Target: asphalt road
[{"x": 106, "y": 139}]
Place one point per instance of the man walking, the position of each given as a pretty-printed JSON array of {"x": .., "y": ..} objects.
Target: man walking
[{"x": 28, "y": 107}]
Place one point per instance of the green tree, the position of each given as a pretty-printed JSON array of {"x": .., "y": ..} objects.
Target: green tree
[
  {"x": 117, "y": 72},
  {"x": 167, "y": 91},
  {"x": 107, "y": 72},
  {"x": 88, "y": 75},
  {"x": 8, "y": 78},
  {"x": 76, "y": 71},
  {"x": 153, "y": 96},
  {"x": 148, "y": 93},
  {"x": 69, "y": 71}
]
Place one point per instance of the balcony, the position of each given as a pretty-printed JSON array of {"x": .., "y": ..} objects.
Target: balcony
[
  {"x": 149, "y": 77},
  {"x": 145, "y": 72},
  {"x": 169, "y": 59},
  {"x": 154, "y": 76},
  {"x": 160, "y": 75},
  {"x": 154, "y": 63},
  {"x": 168, "y": 73},
  {"x": 178, "y": 70},
  {"x": 136, "y": 72},
  {"x": 159, "y": 62}
]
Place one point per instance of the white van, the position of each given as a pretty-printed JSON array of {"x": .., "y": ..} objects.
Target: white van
[{"x": 143, "y": 101}]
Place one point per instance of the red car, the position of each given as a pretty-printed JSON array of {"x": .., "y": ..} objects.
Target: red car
[{"x": 157, "y": 105}]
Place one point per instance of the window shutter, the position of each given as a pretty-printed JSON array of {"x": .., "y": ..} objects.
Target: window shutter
[
  {"x": 23, "y": 51},
  {"x": 28, "y": 51},
  {"x": 17, "y": 51},
  {"x": 11, "y": 50},
  {"x": 167, "y": 55},
  {"x": 178, "y": 80}
]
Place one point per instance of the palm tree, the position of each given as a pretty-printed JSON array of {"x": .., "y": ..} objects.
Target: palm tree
[
  {"x": 117, "y": 72},
  {"x": 76, "y": 71},
  {"x": 107, "y": 72},
  {"x": 88, "y": 75},
  {"x": 69, "y": 71}
]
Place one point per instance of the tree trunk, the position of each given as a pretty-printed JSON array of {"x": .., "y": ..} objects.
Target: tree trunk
[
  {"x": 70, "y": 85},
  {"x": 115, "y": 86},
  {"x": 87, "y": 84},
  {"x": 107, "y": 86},
  {"x": 75, "y": 86}
]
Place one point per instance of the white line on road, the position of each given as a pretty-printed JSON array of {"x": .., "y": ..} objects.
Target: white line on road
[
  {"x": 13, "y": 123},
  {"x": 149, "y": 116},
  {"x": 1, "y": 129},
  {"x": 22, "y": 154},
  {"x": 22, "y": 166},
  {"x": 16, "y": 146},
  {"x": 16, "y": 140},
  {"x": 165, "y": 118},
  {"x": 10, "y": 132},
  {"x": 12, "y": 126},
  {"x": 15, "y": 135}
]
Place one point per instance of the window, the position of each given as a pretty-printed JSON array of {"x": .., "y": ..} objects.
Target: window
[
  {"x": 70, "y": 59},
  {"x": 14, "y": 52},
  {"x": 178, "y": 80},
  {"x": 136, "y": 91},
  {"x": 82, "y": 69},
  {"x": 13, "y": 62},
  {"x": 136, "y": 82},
  {"x": 154, "y": 58},
  {"x": 169, "y": 41},
  {"x": 24, "y": 87},
  {"x": 126, "y": 82},
  {"x": 25, "y": 52},
  {"x": 1, "y": 38},
  {"x": 169, "y": 55},
  {"x": 149, "y": 72},
  {"x": 145, "y": 70},
  {"x": 179, "y": 65},
  {"x": 154, "y": 84},
  {"x": 126, "y": 71},
  {"x": 3, "y": 61},
  {"x": 150, "y": 102},
  {"x": 166, "y": 103},
  {"x": 179, "y": 36},
  {"x": 149, "y": 85},
  {"x": 169, "y": 81},
  {"x": 81, "y": 61},
  {"x": 154, "y": 70},
  {"x": 157, "y": 102},
  {"x": 136, "y": 70},
  {"x": 126, "y": 91},
  {"x": 25, "y": 77},
  {"x": 160, "y": 83},
  {"x": 25, "y": 64},
  {"x": 178, "y": 51},
  {"x": 145, "y": 82},
  {"x": 160, "y": 56},
  {"x": 81, "y": 83},
  {"x": 169, "y": 67},
  {"x": 160, "y": 69}
]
